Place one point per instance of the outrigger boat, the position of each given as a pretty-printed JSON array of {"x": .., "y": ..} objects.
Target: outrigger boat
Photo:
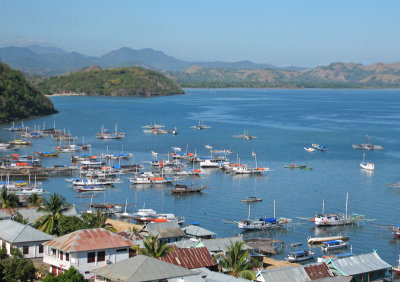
[
  {"x": 261, "y": 223},
  {"x": 92, "y": 188},
  {"x": 20, "y": 128},
  {"x": 105, "y": 134},
  {"x": 295, "y": 166},
  {"x": 245, "y": 136},
  {"x": 319, "y": 147},
  {"x": 184, "y": 189},
  {"x": 200, "y": 126},
  {"x": 251, "y": 200},
  {"x": 368, "y": 146},
  {"x": 19, "y": 142}
]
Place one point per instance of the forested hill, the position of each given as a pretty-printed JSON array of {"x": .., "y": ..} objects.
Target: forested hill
[
  {"x": 134, "y": 81},
  {"x": 18, "y": 98}
]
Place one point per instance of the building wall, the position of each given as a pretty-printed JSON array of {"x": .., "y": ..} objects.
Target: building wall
[
  {"x": 80, "y": 260},
  {"x": 33, "y": 248}
]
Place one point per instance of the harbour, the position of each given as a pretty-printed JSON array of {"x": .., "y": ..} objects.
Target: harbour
[{"x": 284, "y": 121}]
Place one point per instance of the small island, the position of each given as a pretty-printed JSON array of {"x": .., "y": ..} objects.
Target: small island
[
  {"x": 134, "y": 81},
  {"x": 18, "y": 98}
]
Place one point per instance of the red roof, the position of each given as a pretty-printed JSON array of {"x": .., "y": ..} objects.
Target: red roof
[
  {"x": 317, "y": 271},
  {"x": 87, "y": 240},
  {"x": 190, "y": 258}
]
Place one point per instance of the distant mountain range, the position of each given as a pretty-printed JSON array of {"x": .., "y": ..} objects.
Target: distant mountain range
[{"x": 49, "y": 61}]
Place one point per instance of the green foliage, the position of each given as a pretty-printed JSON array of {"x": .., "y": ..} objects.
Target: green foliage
[
  {"x": 153, "y": 248},
  {"x": 134, "y": 81},
  {"x": 8, "y": 200},
  {"x": 16, "y": 268},
  {"x": 68, "y": 224},
  {"x": 71, "y": 275},
  {"x": 34, "y": 200},
  {"x": 19, "y": 218},
  {"x": 236, "y": 262},
  {"x": 3, "y": 253},
  {"x": 55, "y": 205},
  {"x": 18, "y": 98}
]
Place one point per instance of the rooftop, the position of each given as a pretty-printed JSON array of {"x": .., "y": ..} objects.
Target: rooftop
[
  {"x": 15, "y": 232},
  {"x": 165, "y": 229},
  {"x": 87, "y": 240},
  {"x": 190, "y": 258},
  {"x": 197, "y": 231}
]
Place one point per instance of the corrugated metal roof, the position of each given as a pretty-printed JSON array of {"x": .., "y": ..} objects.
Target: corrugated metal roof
[
  {"x": 141, "y": 268},
  {"x": 88, "y": 239},
  {"x": 190, "y": 258},
  {"x": 186, "y": 243},
  {"x": 4, "y": 215},
  {"x": 317, "y": 271},
  {"x": 15, "y": 232},
  {"x": 359, "y": 264},
  {"x": 284, "y": 274},
  {"x": 220, "y": 244},
  {"x": 197, "y": 231},
  {"x": 165, "y": 229},
  {"x": 212, "y": 276},
  {"x": 32, "y": 213},
  {"x": 134, "y": 237}
]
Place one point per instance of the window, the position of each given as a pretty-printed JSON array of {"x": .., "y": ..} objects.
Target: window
[
  {"x": 101, "y": 256},
  {"x": 40, "y": 249},
  {"x": 91, "y": 257},
  {"x": 61, "y": 255},
  {"x": 25, "y": 250},
  {"x": 121, "y": 250},
  {"x": 132, "y": 253},
  {"x": 53, "y": 251},
  {"x": 67, "y": 256}
]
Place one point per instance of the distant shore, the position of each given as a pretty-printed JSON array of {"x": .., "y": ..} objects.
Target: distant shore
[{"x": 66, "y": 94}]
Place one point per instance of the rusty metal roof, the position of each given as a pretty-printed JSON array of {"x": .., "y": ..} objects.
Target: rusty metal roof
[
  {"x": 190, "y": 258},
  {"x": 317, "y": 271},
  {"x": 87, "y": 240}
]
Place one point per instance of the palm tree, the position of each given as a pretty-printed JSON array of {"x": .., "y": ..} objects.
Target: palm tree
[
  {"x": 236, "y": 262},
  {"x": 34, "y": 200},
  {"x": 8, "y": 200},
  {"x": 54, "y": 207},
  {"x": 153, "y": 248}
]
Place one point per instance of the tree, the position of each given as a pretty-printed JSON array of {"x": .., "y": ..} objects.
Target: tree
[
  {"x": 236, "y": 262},
  {"x": 34, "y": 200},
  {"x": 68, "y": 224},
  {"x": 153, "y": 248},
  {"x": 54, "y": 206},
  {"x": 19, "y": 218},
  {"x": 8, "y": 200},
  {"x": 71, "y": 275},
  {"x": 17, "y": 268},
  {"x": 97, "y": 220}
]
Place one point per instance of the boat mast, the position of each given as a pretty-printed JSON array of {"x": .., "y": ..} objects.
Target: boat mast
[
  {"x": 248, "y": 217},
  {"x": 347, "y": 199},
  {"x": 274, "y": 209},
  {"x": 126, "y": 204},
  {"x": 323, "y": 206}
]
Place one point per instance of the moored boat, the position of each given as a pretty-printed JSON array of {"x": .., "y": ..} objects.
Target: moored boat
[
  {"x": 320, "y": 240},
  {"x": 333, "y": 245},
  {"x": 298, "y": 256},
  {"x": 184, "y": 189},
  {"x": 309, "y": 149},
  {"x": 251, "y": 199},
  {"x": 367, "y": 165},
  {"x": 91, "y": 188}
]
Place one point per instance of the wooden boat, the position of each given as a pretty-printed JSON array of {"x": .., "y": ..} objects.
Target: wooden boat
[
  {"x": 319, "y": 147},
  {"x": 333, "y": 245},
  {"x": 396, "y": 269},
  {"x": 309, "y": 149},
  {"x": 396, "y": 231},
  {"x": 48, "y": 154},
  {"x": 368, "y": 146},
  {"x": 91, "y": 188},
  {"x": 298, "y": 256},
  {"x": 320, "y": 240},
  {"x": 105, "y": 134},
  {"x": 251, "y": 199},
  {"x": 200, "y": 126},
  {"x": 245, "y": 136},
  {"x": 295, "y": 166},
  {"x": 184, "y": 189},
  {"x": 20, "y": 142}
]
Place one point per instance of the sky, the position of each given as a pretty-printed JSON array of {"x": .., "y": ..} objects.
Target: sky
[{"x": 284, "y": 33}]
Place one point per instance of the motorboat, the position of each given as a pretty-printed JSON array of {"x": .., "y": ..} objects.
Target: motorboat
[
  {"x": 19, "y": 142},
  {"x": 298, "y": 256},
  {"x": 309, "y": 149},
  {"x": 184, "y": 189},
  {"x": 251, "y": 199},
  {"x": 396, "y": 231},
  {"x": 320, "y": 240},
  {"x": 319, "y": 147},
  {"x": 333, "y": 245},
  {"x": 367, "y": 165},
  {"x": 91, "y": 188},
  {"x": 258, "y": 224},
  {"x": 209, "y": 163}
]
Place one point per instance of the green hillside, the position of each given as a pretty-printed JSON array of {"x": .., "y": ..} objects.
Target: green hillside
[
  {"x": 134, "y": 81},
  {"x": 18, "y": 98}
]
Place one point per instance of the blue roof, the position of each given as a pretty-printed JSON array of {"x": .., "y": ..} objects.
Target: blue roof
[
  {"x": 299, "y": 252},
  {"x": 332, "y": 242}
]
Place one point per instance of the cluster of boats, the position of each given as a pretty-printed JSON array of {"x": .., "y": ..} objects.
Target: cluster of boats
[
  {"x": 315, "y": 147},
  {"x": 157, "y": 129},
  {"x": 107, "y": 134}
]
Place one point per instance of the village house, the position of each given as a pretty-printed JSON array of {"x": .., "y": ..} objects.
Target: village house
[
  {"x": 86, "y": 250},
  {"x": 167, "y": 232},
  {"x": 196, "y": 231},
  {"x": 24, "y": 237},
  {"x": 190, "y": 258}
]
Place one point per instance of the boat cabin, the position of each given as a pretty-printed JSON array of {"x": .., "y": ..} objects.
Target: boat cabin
[{"x": 331, "y": 245}]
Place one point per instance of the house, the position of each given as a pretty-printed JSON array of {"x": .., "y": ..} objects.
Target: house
[
  {"x": 24, "y": 237},
  {"x": 190, "y": 258},
  {"x": 142, "y": 268},
  {"x": 220, "y": 245},
  {"x": 365, "y": 267},
  {"x": 32, "y": 213},
  {"x": 206, "y": 275},
  {"x": 167, "y": 232},
  {"x": 86, "y": 250},
  {"x": 198, "y": 232},
  {"x": 312, "y": 272}
]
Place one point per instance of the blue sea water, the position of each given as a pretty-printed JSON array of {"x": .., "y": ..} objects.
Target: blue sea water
[{"x": 285, "y": 121}]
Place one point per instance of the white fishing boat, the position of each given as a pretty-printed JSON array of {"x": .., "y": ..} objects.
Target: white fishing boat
[
  {"x": 298, "y": 256},
  {"x": 320, "y": 240},
  {"x": 200, "y": 126},
  {"x": 106, "y": 134},
  {"x": 209, "y": 163},
  {"x": 125, "y": 214},
  {"x": 91, "y": 189},
  {"x": 309, "y": 149},
  {"x": 333, "y": 245},
  {"x": 175, "y": 131},
  {"x": 366, "y": 165}
]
